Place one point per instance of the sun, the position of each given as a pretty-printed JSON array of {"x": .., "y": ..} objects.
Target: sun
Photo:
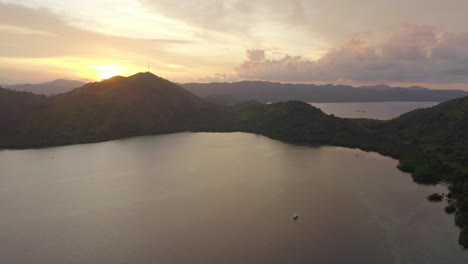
[
  {"x": 107, "y": 71},
  {"x": 108, "y": 74},
  {"x": 99, "y": 71}
]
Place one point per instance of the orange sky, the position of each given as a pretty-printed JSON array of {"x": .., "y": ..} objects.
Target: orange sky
[{"x": 304, "y": 41}]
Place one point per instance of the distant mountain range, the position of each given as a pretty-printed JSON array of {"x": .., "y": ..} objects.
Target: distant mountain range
[
  {"x": 47, "y": 88},
  {"x": 231, "y": 93},
  {"x": 276, "y": 92}
]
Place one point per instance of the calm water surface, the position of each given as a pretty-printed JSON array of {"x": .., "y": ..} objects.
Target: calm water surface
[
  {"x": 373, "y": 110},
  {"x": 216, "y": 198}
]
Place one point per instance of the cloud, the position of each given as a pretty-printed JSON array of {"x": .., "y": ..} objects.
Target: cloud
[
  {"x": 35, "y": 32},
  {"x": 330, "y": 19},
  {"x": 413, "y": 42},
  {"x": 414, "y": 53},
  {"x": 216, "y": 15},
  {"x": 255, "y": 56}
]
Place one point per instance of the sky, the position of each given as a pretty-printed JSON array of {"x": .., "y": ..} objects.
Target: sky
[{"x": 356, "y": 42}]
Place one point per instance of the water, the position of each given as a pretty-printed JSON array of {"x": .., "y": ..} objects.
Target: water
[
  {"x": 373, "y": 110},
  {"x": 216, "y": 198}
]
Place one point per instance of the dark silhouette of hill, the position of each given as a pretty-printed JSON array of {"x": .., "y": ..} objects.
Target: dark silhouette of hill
[
  {"x": 15, "y": 105},
  {"x": 276, "y": 92},
  {"x": 118, "y": 107},
  {"x": 48, "y": 88},
  {"x": 221, "y": 99}
]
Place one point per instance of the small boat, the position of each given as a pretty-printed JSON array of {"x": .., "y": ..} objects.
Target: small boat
[{"x": 295, "y": 216}]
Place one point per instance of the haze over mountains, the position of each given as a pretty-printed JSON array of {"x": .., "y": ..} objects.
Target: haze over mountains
[
  {"x": 230, "y": 93},
  {"x": 275, "y": 92},
  {"x": 47, "y": 88}
]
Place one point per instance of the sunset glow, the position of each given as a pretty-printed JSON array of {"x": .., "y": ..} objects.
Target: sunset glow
[
  {"x": 108, "y": 71},
  {"x": 267, "y": 40},
  {"x": 108, "y": 74}
]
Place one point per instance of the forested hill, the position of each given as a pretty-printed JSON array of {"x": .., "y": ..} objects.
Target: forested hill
[
  {"x": 15, "y": 105},
  {"x": 275, "y": 92},
  {"x": 118, "y": 107}
]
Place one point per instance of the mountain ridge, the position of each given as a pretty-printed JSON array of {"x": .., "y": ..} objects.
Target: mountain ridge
[
  {"x": 265, "y": 91},
  {"x": 47, "y": 88},
  {"x": 114, "y": 108}
]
